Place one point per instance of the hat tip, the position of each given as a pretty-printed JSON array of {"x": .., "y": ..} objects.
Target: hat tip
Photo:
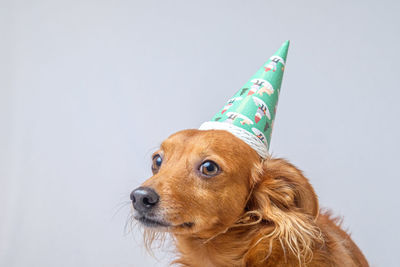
[
  {"x": 286, "y": 43},
  {"x": 283, "y": 50}
]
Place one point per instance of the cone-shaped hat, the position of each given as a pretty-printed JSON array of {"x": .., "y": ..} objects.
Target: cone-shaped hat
[{"x": 250, "y": 114}]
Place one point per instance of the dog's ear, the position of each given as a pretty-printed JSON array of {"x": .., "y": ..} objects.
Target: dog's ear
[
  {"x": 283, "y": 198},
  {"x": 285, "y": 187}
]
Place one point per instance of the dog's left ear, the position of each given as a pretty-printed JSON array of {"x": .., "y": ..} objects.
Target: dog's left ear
[
  {"x": 284, "y": 198},
  {"x": 285, "y": 187}
]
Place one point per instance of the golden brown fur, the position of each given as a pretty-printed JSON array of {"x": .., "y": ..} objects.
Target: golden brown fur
[{"x": 254, "y": 213}]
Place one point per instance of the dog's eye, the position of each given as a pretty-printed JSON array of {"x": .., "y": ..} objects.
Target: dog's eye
[
  {"x": 209, "y": 168},
  {"x": 157, "y": 161}
]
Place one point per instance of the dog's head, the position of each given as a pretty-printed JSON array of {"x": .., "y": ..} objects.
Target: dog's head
[{"x": 205, "y": 181}]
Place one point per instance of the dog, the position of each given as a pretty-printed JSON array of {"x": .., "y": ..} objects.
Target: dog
[{"x": 226, "y": 206}]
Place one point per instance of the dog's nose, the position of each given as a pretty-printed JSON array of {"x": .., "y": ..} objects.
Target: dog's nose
[{"x": 144, "y": 198}]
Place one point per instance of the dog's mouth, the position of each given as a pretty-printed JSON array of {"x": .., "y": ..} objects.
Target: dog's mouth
[
  {"x": 155, "y": 223},
  {"x": 152, "y": 222}
]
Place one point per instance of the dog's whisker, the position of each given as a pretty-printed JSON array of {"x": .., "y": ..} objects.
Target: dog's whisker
[
  {"x": 129, "y": 224},
  {"x": 119, "y": 207}
]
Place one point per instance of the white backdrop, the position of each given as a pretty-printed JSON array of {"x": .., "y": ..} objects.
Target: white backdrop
[{"x": 88, "y": 89}]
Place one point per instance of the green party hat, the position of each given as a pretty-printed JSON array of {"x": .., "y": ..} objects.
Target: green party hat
[{"x": 250, "y": 114}]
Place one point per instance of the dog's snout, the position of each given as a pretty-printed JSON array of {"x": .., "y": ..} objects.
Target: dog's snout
[{"x": 144, "y": 198}]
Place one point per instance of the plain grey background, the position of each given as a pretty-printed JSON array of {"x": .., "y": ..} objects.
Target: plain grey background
[{"x": 89, "y": 89}]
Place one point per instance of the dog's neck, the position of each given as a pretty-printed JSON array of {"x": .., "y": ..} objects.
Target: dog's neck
[
  {"x": 227, "y": 249},
  {"x": 230, "y": 248}
]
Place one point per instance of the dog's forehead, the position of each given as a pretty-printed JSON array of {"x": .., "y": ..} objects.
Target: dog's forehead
[
  {"x": 193, "y": 138},
  {"x": 217, "y": 141}
]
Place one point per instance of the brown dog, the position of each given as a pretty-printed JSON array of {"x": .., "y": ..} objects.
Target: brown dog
[{"x": 225, "y": 206}]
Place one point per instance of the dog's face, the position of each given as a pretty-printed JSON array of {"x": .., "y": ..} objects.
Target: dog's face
[{"x": 201, "y": 183}]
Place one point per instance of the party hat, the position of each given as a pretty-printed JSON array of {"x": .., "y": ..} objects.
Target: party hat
[{"x": 250, "y": 114}]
